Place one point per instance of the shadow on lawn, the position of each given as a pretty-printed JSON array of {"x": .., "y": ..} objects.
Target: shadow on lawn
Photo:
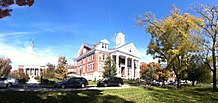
[
  {"x": 184, "y": 95},
  {"x": 81, "y": 96}
]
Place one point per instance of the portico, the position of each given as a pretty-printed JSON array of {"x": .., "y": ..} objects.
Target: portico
[
  {"x": 32, "y": 70},
  {"x": 127, "y": 65}
]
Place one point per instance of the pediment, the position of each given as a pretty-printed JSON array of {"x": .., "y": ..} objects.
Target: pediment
[
  {"x": 129, "y": 49},
  {"x": 83, "y": 49}
]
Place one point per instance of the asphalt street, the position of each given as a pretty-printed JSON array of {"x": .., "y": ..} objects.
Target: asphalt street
[{"x": 43, "y": 88}]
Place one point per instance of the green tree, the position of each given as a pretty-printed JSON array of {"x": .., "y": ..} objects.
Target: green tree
[
  {"x": 49, "y": 73},
  {"x": 109, "y": 68},
  {"x": 172, "y": 38},
  {"x": 5, "y": 4},
  {"x": 5, "y": 66},
  {"x": 198, "y": 70},
  {"x": 61, "y": 70},
  {"x": 210, "y": 16}
]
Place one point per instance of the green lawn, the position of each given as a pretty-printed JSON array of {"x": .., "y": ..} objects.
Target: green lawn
[
  {"x": 92, "y": 83},
  {"x": 129, "y": 95}
]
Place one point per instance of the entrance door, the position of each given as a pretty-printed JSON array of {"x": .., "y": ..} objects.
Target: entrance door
[{"x": 122, "y": 71}]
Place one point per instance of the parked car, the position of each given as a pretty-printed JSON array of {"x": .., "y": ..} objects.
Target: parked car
[
  {"x": 111, "y": 81},
  {"x": 8, "y": 82},
  {"x": 156, "y": 83},
  {"x": 12, "y": 81},
  {"x": 171, "y": 83},
  {"x": 72, "y": 82}
]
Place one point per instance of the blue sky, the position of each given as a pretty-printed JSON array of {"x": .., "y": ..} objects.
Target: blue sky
[{"x": 58, "y": 28}]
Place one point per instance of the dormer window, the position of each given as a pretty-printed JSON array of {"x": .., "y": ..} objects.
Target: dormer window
[{"x": 104, "y": 46}]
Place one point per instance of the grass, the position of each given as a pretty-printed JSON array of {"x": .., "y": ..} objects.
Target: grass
[
  {"x": 92, "y": 83},
  {"x": 198, "y": 94}
]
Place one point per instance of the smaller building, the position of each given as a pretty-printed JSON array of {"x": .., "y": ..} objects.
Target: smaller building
[
  {"x": 71, "y": 71},
  {"x": 32, "y": 70}
]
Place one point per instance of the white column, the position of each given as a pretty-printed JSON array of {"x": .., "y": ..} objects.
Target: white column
[
  {"x": 117, "y": 65},
  {"x": 126, "y": 67},
  {"x": 29, "y": 71},
  {"x": 138, "y": 69},
  {"x": 132, "y": 74},
  {"x": 39, "y": 71}
]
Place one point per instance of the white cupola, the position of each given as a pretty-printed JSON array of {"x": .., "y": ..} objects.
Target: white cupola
[{"x": 120, "y": 39}]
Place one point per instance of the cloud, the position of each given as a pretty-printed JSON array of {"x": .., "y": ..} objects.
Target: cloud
[
  {"x": 26, "y": 55},
  {"x": 145, "y": 57},
  {"x": 58, "y": 28}
]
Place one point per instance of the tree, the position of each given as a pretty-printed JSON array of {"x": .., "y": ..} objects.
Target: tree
[
  {"x": 109, "y": 68},
  {"x": 154, "y": 71},
  {"x": 20, "y": 76},
  {"x": 143, "y": 70},
  {"x": 49, "y": 72},
  {"x": 5, "y": 4},
  {"x": 5, "y": 66},
  {"x": 149, "y": 72},
  {"x": 198, "y": 70},
  {"x": 210, "y": 16},
  {"x": 163, "y": 73},
  {"x": 172, "y": 38},
  {"x": 61, "y": 70}
]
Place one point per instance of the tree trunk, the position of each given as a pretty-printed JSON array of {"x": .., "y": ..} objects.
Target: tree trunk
[
  {"x": 178, "y": 82},
  {"x": 214, "y": 65},
  {"x": 193, "y": 83}
]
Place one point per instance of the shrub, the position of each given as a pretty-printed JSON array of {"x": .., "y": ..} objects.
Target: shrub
[{"x": 47, "y": 82}]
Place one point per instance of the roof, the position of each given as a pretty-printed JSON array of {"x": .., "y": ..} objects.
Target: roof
[
  {"x": 89, "y": 45},
  {"x": 105, "y": 41},
  {"x": 121, "y": 46},
  {"x": 120, "y": 34}
]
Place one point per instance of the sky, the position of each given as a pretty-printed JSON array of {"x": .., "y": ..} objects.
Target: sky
[{"x": 59, "y": 27}]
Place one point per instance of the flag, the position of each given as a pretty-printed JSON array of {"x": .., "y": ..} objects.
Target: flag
[{"x": 33, "y": 44}]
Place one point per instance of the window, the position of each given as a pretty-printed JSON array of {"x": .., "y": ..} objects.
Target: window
[
  {"x": 92, "y": 57},
  {"x": 100, "y": 56},
  {"x": 130, "y": 50},
  {"x": 84, "y": 67},
  {"x": 103, "y": 56},
  {"x": 88, "y": 59},
  {"x": 100, "y": 66},
  {"x": 93, "y": 66},
  {"x": 102, "y": 45}
]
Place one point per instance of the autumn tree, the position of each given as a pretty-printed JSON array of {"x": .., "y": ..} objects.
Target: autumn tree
[
  {"x": 109, "y": 68},
  {"x": 172, "y": 38},
  {"x": 61, "y": 70},
  {"x": 5, "y": 66},
  {"x": 143, "y": 70},
  {"x": 5, "y": 9},
  {"x": 20, "y": 76},
  {"x": 210, "y": 16},
  {"x": 149, "y": 71},
  {"x": 163, "y": 73}
]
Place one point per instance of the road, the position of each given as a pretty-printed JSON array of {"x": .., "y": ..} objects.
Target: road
[{"x": 36, "y": 88}]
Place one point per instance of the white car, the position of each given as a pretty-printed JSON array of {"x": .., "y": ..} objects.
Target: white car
[{"x": 8, "y": 82}]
